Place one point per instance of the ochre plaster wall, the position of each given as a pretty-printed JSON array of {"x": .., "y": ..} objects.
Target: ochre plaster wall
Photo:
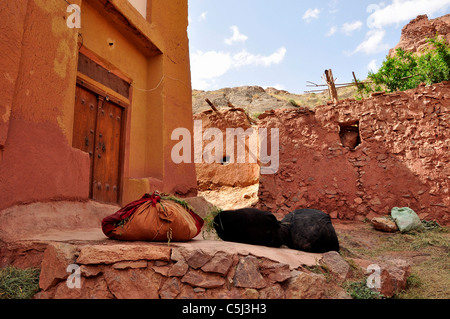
[
  {"x": 38, "y": 163},
  {"x": 38, "y": 73},
  {"x": 170, "y": 17}
]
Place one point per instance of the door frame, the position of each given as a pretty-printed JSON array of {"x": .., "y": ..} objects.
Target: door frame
[{"x": 124, "y": 103}]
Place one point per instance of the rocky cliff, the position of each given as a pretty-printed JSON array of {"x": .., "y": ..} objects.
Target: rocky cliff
[{"x": 416, "y": 32}]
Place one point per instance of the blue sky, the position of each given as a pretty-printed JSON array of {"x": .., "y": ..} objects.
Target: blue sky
[{"x": 285, "y": 43}]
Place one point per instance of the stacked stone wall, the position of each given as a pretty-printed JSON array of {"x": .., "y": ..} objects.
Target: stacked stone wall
[{"x": 358, "y": 159}]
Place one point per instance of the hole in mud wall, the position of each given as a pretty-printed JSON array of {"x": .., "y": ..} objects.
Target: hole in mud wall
[
  {"x": 349, "y": 134},
  {"x": 225, "y": 160}
]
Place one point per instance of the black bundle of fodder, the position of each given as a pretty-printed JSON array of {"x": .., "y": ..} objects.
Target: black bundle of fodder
[
  {"x": 310, "y": 230},
  {"x": 248, "y": 226},
  {"x": 306, "y": 229}
]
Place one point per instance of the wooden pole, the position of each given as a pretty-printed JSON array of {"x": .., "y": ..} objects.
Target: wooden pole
[
  {"x": 356, "y": 83},
  {"x": 212, "y": 106},
  {"x": 331, "y": 86}
]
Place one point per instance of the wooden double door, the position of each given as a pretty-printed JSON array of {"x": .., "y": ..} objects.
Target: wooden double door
[{"x": 98, "y": 128}]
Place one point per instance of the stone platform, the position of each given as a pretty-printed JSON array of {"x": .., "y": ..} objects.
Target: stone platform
[
  {"x": 196, "y": 269},
  {"x": 77, "y": 261},
  {"x": 65, "y": 240}
]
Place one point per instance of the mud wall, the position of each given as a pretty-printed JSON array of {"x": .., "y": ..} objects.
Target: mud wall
[
  {"x": 222, "y": 172},
  {"x": 358, "y": 159}
]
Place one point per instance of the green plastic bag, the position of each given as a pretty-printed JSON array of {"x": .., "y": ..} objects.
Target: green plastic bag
[{"x": 406, "y": 219}]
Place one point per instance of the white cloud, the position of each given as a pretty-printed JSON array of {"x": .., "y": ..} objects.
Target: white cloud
[
  {"x": 372, "y": 66},
  {"x": 311, "y": 14},
  {"x": 244, "y": 58},
  {"x": 202, "y": 16},
  {"x": 348, "y": 28},
  {"x": 332, "y": 31},
  {"x": 397, "y": 12},
  {"x": 400, "y": 11},
  {"x": 237, "y": 36},
  {"x": 207, "y": 67},
  {"x": 373, "y": 42}
]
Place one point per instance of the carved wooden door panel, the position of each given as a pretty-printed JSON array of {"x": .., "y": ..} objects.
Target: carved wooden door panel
[
  {"x": 107, "y": 152},
  {"x": 84, "y": 122},
  {"x": 97, "y": 130}
]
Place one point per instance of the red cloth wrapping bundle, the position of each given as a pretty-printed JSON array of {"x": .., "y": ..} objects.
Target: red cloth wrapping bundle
[{"x": 154, "y": 217}]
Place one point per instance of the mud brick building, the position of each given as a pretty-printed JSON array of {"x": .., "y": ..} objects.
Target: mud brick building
[{"x": 86, "y": 112}]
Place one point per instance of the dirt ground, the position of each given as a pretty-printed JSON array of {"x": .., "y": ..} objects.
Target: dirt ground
[{"x": 427, "y": 252}]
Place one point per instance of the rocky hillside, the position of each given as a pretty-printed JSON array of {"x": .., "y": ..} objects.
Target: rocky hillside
[
  {"x": 256, "y": 100},
  {"x": 416, "y": 32},
  {"x": 251, "y": 98}
]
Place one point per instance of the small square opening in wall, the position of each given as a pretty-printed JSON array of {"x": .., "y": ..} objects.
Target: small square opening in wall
[
  {"x": 349, "y": 134},
  {"x": 225, "y": 160}
]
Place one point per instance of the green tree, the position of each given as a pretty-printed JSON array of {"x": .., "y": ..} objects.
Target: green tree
[
  {"x": 407, "y": 70},
  {"x": 434, "y": 65}
]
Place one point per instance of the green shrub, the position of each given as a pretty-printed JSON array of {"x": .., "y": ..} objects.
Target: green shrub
[
  {"x": 293, "y": 102},
  {"x": 407, "y": 70},
  {"x": 359, "y": 290},
  {"x": 256, "y": 115},
  {"x": 209, "y": 223}
]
